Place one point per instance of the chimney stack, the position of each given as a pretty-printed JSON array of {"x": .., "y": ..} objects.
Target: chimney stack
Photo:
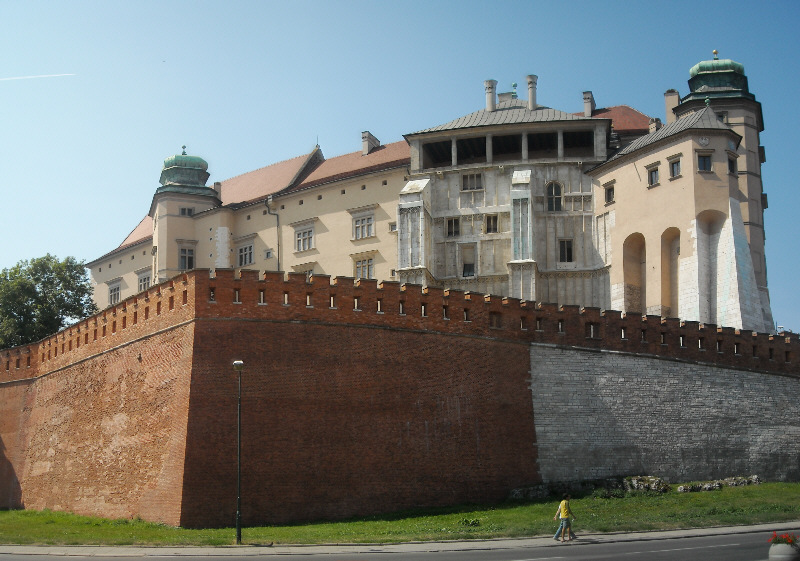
[
  {"x": 532, "y": 79},
  {"x": 368, "y": 143},
  {"x": 655, "y": 124},
  {"x": 588, "y": 104},
  {"x": 491, "y": 100},
  {"x": 671, "y": 100}
]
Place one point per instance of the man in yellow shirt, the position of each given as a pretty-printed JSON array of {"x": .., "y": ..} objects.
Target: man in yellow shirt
[{"x": 564, "y": 512}]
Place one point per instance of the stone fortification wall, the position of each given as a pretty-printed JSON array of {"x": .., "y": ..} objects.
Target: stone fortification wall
[
  {"x": 351, "y": 405},
  {"x": 348, "y": 420},
  {"x": 358, "y": 398},
  {"x": 601, "y": 414},
  {"x": 93, "y": 419},
  {"x": 393, "y": 305},
  {"x": 106, "y": 436}
]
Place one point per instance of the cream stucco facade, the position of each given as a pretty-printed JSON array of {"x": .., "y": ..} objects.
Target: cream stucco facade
[{"x": 604, "y": 207}]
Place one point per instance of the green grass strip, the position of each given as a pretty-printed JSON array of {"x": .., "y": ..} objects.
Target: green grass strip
[{"x": 768, "y": 502}]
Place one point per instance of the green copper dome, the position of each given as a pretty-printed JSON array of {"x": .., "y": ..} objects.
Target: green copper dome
[
  {"x": 718, "y": 78},
  {"x": 185, "y": 161},
  {"x": 716, "y": 65},
  {"x": 184, "y": 171}
]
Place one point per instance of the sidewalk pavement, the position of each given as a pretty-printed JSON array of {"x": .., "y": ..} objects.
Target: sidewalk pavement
[{"x": 407, "y": 547}]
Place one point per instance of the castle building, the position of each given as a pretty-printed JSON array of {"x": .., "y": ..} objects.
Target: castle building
[{"x": 603, "y": 208}]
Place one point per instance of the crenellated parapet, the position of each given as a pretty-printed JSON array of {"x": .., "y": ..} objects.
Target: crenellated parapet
[
  {"x": 158, "y": 308},
  {"x": 201, "y": 294}
]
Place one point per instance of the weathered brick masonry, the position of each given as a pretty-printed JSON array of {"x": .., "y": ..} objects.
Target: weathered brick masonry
[{"x": 359, "y": 398}]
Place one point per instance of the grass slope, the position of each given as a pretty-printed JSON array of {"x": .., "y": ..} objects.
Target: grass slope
[{"x": 769, "y": 502}]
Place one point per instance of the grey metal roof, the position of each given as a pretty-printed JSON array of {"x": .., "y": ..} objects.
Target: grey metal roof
[
  {"x": 508, "y": 112},
  {"x": 704, "y": 119}
]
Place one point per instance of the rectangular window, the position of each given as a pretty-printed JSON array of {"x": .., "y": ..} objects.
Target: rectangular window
[
  {"x": 652, "y": 176},
  {"x": 245, "y": 254},
  {"x": 362, "y": 227},
  {"x": 610, "y": 194},
  {"x": 565, "y": 251},
  {"x": 732, "y": 166},
  {"x": 144, "y": 281},
  {"x": 187, "y": 211},
  {"x": 364, "y": 269},
  {"x": 553, "y": 197},
  {"x": 675, "y": 168},
  {"x": 113, "y": 294},
  {"x": 472, "y": 182},
  {"x": 704, "y": 162},
  {"x": 491, "y": 224},
  {"x": 453, "y": 227},
  {"x": 467, "y": 260},
  {"x": 304, "y": 239},
  {"x": 186, "y": 259}
]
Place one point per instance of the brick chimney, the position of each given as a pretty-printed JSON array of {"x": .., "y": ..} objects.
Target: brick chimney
[
  {"x": 491, "y": 99},
  {"x": 671, "y": 100},
  {"x": 532, "y": 79},
  {"x": 368, "y": 143},
  {"x": 588, "y": 104}
]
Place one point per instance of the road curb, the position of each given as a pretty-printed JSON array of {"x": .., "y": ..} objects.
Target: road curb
[{"x": 407, "y": 547}]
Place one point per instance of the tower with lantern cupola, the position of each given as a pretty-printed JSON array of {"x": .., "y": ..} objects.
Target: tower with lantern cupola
[{"x": 182, "y": 195}]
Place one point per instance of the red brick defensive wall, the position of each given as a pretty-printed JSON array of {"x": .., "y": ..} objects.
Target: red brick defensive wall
[{"x": 357, "y": 398}]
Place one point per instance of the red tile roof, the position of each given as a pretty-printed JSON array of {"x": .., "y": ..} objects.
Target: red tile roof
[
  {"x": 389, "y": 156},
  {"x": 623, "y": 118},
  {"x": 265, "y": 181},
  {"x": 142, "y": 233}
]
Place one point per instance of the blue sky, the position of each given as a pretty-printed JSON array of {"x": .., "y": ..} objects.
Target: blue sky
[{"x": 245, "y": 84}]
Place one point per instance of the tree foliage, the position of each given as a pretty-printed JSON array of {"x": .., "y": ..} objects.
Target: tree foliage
[{"x": 41, "y": 296}]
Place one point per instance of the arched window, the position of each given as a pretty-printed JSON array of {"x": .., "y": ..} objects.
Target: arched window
[{"x": 553, "y": 196}]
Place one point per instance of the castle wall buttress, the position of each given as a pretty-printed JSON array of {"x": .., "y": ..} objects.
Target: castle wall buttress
[{"x": 106, "y": 436}]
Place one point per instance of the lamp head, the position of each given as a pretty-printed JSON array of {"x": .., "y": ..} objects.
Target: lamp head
[{"x": 238, "y": 365}]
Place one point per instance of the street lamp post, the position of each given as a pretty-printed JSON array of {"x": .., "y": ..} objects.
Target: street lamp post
[{"x": 238, "y": 365}]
